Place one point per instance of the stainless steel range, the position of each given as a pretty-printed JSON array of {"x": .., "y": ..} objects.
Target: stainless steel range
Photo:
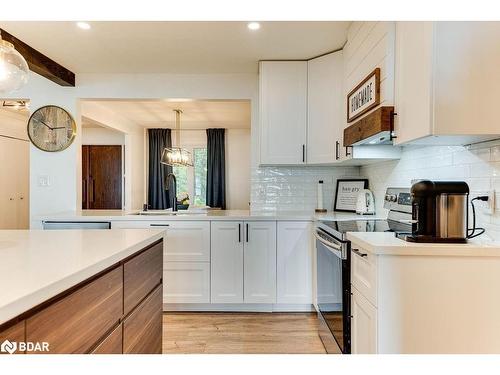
[{"x": 334, "y": 266}]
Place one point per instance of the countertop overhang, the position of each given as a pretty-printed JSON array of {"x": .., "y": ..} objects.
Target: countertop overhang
[{"x": 36, "y": 265}]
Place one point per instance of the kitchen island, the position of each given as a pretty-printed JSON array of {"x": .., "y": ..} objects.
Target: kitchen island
[
  {"x": 81, "y": 291},
  {"x": 412, "y": 297}
]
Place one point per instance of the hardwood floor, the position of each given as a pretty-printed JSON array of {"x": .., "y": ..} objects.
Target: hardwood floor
[{"x": 241, "y": 333}]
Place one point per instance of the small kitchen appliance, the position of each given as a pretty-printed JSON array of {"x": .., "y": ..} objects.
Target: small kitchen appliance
[
  {"x": 366, "y": 203},
  {"x": 439, "y": 211}
]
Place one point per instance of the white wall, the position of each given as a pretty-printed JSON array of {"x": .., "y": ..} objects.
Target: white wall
[
  {"x": 102, "y": 136},
  {"x": 64, "y": 168},
  {"x": 238, "y": 169}
]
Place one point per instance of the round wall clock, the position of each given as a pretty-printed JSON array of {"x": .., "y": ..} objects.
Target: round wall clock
[{"x": 51, "y": 128}]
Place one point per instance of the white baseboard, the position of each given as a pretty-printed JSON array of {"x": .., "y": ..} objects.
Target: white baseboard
[{"x": 238, "y": 307}]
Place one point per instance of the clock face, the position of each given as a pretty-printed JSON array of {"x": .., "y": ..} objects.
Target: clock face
[{"x": 51, "y": 128}]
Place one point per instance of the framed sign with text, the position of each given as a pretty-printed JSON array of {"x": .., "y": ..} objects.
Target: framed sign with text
[
  {"x": 364, "y": 96},
  {"x": 346, "y": 195}
]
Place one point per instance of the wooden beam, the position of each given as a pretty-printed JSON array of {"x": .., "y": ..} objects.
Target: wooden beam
[
  {"x": 41, "y": 64},
  {"x": 378, "y": 121}
]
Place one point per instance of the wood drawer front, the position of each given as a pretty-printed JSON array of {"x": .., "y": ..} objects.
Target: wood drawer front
[
  {"x": 14, "y": 333},
  {"x": 112, "y": 344},
  {"x": 75, "y": 323},
  {"x": 142, "y": 329},
  {"x": 364, "y": 273},
  {"x": 141, "y": 275}
]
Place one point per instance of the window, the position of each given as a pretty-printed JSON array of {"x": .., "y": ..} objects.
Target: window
[{"x": 193, "y": 180}]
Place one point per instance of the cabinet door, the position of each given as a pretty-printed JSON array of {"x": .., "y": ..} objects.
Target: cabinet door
[
  {"x": 283, "y": 108},
  {"x": 227, "y": 262},
  {"x": 294, "y": 263},
  {"x": 186, "y": 282},
  {"x": 413, "y": 81},
  {"x": 260, "y": 262},
  {"x": 324, "y": 108},
  {"x": 363, "y": 325}
]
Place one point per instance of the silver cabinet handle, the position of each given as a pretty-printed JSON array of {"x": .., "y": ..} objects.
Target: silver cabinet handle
[
  {"x": 159, "y": 225},
  {"x": 357, "y": 252}
]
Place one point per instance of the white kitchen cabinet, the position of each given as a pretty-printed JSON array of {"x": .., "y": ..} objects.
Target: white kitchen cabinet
[
  {"x": 227, "y": 262},
  {"x": 260, "y": 262},
  {"x": 294, "y": 262},
  {"x": 363, "y": 324},
  {"x": 283, "y": 112},
  {"x": 445, "y": 85},
  {"x": 325, "y": 109},
  {"x": 185, "y": 241},
  {"x": 186, "y": 282},
  {"x": 243, "y": 262}
]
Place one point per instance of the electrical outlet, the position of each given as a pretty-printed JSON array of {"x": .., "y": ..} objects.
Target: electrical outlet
[
  {"x": 43, "y": 181},
  {"x": 487, "y": 207}
]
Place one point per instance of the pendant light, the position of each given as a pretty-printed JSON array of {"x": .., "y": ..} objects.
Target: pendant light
[
  {"x": 177, "y": 156},
  {"x": 14, "y": 69}
]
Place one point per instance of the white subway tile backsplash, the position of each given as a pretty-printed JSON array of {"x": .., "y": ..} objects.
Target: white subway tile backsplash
[{"x": 294, "y": 188}]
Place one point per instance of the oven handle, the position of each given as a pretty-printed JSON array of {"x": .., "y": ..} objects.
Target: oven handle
[{"x": 334, "y": 248}]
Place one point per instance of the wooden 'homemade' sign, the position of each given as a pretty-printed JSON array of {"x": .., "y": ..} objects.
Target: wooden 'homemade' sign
[{"x": 364, "y": 96}]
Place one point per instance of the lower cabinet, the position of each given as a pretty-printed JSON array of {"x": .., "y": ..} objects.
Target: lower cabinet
[
  {"x": 243, "y": 262},
  {"x": 117, "y": 309},
  {"x": 227, "y": 262},
  {"x": 363, "y": 325},
  {"x": 142, "y": 329},
  {"x": 259, "y": 261},
  {"x": 294, "y": 262},
  {"x": 186, "y": 282}
]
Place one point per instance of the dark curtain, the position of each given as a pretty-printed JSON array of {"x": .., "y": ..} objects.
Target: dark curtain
[
  {"x": 216, "y": 168},
  {"x": 158, "y": 196}
]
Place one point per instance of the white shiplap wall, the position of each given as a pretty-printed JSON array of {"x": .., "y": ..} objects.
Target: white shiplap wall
[{"x": 370, "y": 45}]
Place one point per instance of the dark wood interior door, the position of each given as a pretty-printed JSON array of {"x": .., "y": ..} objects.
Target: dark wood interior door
[{"x": 102, "y": 183}]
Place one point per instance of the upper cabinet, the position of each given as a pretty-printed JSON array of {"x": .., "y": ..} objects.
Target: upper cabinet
[
  {"x": 283, "y": 112},
  {"x": 324, "y": 108},
  {"x": 446, "y": 78}
]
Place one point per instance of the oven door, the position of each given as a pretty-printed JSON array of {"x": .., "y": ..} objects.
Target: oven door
[{"x": 333, "y": 292}]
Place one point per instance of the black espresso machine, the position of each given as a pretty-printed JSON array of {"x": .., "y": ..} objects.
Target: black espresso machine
[{"x": 440, "y": 211}]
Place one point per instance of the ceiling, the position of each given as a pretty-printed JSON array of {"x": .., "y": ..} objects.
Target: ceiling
[
  {"x": 177, "y": 47},
  {"x": 197, "y": 114}
]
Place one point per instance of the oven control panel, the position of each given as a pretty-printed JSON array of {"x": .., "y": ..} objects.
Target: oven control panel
[{"x": 398, "y": 199}]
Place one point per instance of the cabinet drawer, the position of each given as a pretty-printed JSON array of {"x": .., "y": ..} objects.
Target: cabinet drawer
[
  {"x": 364, "y": 273},
  {"x": 112, "y": 344},
  {"x": 76, "y": 322},
  {"x": 142, "y": 329},
  {"x": 185, "y": 241},
  {"x": 363, "y": 325},
  {"x": 141, "y": 275},
  {"x": 14, "y": 333},
  {"x": 186, "y": 282}
]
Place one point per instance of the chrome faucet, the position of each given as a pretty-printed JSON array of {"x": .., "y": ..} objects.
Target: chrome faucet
[{"x": 171, "y": 180}]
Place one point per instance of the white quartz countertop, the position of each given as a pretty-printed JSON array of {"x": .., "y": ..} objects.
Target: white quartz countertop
[
  {"x": 36, "y": 265},
  {"x": 385, "y": 243},
  {"x": 210, "y": 215}
]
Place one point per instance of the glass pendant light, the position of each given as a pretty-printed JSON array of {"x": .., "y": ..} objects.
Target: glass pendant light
[
  {"x": 177, "y": 156},
  {"x": 14, "y": 69}
]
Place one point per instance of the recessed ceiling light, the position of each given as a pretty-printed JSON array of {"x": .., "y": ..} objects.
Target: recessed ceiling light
[
  {"x": 83, "y": 25},
  {"x": 253, "y": 25}
]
